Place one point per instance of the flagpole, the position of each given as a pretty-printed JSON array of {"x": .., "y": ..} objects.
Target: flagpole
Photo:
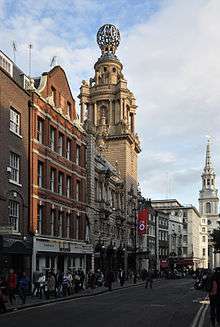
[{"x": 30, "y": 58}]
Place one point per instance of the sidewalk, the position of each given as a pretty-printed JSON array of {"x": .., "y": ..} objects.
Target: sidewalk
[{"x": 34, "y": 301}]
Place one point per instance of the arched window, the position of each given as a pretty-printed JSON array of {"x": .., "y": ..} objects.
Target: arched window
[{"x": 208, "y": 207}]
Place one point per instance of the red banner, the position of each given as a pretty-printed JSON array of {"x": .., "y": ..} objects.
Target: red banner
[{"x": 142, "y": 221}]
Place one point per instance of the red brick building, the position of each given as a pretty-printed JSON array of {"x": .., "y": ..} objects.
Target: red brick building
[
  {"x": 58, "y": 175},
  {"x": 15, "y": 242}
]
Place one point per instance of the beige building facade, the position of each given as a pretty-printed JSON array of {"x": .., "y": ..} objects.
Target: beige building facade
[{"x": 108, "y": 109}]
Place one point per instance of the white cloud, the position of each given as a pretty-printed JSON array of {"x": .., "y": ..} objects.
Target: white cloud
[
  {"x": 171, "y": 60},
  {"x": 172, "y": 65}
]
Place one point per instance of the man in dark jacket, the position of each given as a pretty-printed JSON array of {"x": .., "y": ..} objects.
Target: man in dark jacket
[{"x": 149, "y": 279}]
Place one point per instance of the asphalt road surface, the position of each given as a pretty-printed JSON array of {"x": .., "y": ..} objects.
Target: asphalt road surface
[{"x": 171, "y": 303}]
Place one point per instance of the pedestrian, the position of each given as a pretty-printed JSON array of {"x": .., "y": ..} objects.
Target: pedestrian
[
  {"x": 12, "y": 284},
  {"x": 41, "y": 282},
  {"x": 214, "y": 297},
  {"x": 23, "y": 286},
  {"x": 149, "y": 279},
  {"x": 92, "y": 280},
  {"x": 109, "y": 279},
  {"x": 51, "y": 285},
  {"x": 59, "y": 282},
  {"x": 121, "y": 276},
  {"x": 36, "y": 275}
]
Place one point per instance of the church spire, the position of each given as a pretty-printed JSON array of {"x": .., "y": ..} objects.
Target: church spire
[
  {"x": 208, "y": 163},
  {"x": 208, "y": 199},
  {"x": 208, "y": 175}
]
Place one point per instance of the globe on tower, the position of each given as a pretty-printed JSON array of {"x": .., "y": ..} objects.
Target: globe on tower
[{"x": 108, "y": 39}]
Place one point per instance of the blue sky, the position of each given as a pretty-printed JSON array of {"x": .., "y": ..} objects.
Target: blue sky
[{"x": 170, "y": 50}]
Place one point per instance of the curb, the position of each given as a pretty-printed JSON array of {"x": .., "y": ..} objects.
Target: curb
[{"x": 64, "y": 299}]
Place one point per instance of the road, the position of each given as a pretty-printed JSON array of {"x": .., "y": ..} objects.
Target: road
[{"x": 171, "y": 303}]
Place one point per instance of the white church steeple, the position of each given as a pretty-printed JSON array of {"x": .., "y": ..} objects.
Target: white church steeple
[{"x": 208, "y": 200}]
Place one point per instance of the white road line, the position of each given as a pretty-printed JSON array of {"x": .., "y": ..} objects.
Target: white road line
[
  {"x": 196, "y": 319},
  {"x": 202, "y": 318}
]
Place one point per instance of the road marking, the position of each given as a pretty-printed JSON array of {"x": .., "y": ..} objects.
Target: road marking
[
  {"x": 202, "y": 318},
  {"x": 157, "y": 305},
  {"x": 196, "y": 319}
]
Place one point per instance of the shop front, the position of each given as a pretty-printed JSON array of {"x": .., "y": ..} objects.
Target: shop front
[
  {"x": 15, "y": 252},
  {"x": 60, "y": 255}
]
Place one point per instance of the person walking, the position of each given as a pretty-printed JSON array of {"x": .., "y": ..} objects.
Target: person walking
[
  {"x": 12, "y": 284},
  {"x": 109, "y": 279},
  {"x": 214, "y": 297},
  {"x": 36, "y": 275},
  {"x": 51, "y": 285},
  {"x": 41, "y": 282},
  {"x": 121, "y": 276},
  {"x": 23, "y": 286},
  {"x": 149, "y": 279}
]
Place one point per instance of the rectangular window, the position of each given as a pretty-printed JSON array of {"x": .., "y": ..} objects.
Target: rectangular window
[
  {"x": 77, "y": 228},
  {"x": 52, "y": 179},
  {"x": 14, "y": 121},
  {"x": 60, "y": 183},
  {"x": 40, "y": 130},
  {"x": 77, "y": 154},
  {"x": 60, "y": 144},
  {"x": 203, "y": 252},
  {"x": 185, "y": 239},
  {"x": 52, "y": 138},
  {"x": 40, "y": 174},
  {"x": 203, "y": 239},
  {"x": 68, "y": 148},
  {"x": 78, "y": 191},
  {"x": 60, "y": 223},
  {"x": 68, "y": 225},
  {"x": 15, "y": 167},
  {"x": 39, "y": 219},
  {"x": 69, "y": 110},
  {"x": 14, "y": 209},
  {"x": 68, "y": 183},
  {"x": 52, "y": 222}
]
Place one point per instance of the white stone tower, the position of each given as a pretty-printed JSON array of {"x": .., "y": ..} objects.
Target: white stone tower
[{"x": 209, "y": 201}]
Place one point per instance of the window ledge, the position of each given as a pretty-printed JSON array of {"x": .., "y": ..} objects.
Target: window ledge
[
  {"x": 15, "y": 183},
  {"x": 19, "y": 135}
]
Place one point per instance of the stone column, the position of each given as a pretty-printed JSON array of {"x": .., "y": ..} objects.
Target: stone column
[
  {"x": 95, "y": 113},
  {"x": 110, "y": 113},
  {"x": 82, "y": 113}
]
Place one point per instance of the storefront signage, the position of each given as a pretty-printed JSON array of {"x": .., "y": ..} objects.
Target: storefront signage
[{"x": 53, "y": 245}]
